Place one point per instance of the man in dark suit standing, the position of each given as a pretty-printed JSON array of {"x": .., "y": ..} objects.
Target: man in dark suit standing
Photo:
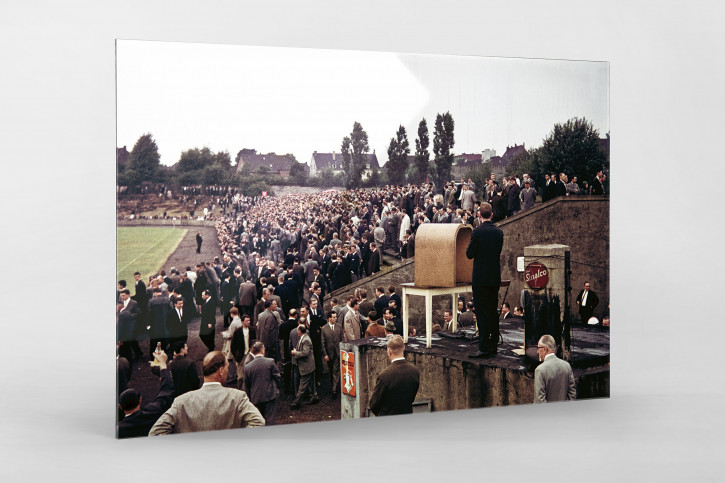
[
  {"x": 207, "y": 327},
  {"x": 485, "y": 250},
  {"x": 128, "y": 314},
  {"x": 587, "y": 301},
  {"x": 331, "y": 337},
  {"x": 261, "y": 383},
  {"x": 381, "y": 300},
  {"x": 305, "y": 359},
  {"x": 198, "y": 242},
  {"x": 374, "y": 259},
  {"x": 397, "y": 385},
  {"x": 183, "y": 370}
]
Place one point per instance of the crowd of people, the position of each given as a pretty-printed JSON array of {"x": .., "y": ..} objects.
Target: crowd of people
[{"x": 279, "y": 257}]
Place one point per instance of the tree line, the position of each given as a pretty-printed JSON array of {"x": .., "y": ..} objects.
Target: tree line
[{"x": 572, "y": 147}]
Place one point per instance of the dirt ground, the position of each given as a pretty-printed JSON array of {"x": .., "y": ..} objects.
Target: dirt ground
[{"x": 147, "y": 383}]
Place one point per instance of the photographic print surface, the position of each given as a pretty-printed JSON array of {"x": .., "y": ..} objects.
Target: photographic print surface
[{"x": 311, "y": 235}]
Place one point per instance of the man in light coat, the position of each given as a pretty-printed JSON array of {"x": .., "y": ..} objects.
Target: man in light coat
[
  {"x": 212, "y": 407},
  {"x": 553, "y": 378}
]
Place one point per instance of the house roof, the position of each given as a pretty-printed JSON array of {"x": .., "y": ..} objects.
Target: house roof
[
  {"x": 273, "y": 162},
  {"x": 334, "y": 160},
  {"x": 512, "y": 151},
  {"x": 466, "y": 159},
  {"x": 497, "y": 162}
]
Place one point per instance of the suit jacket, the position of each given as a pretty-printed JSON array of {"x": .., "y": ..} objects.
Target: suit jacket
[
  {"x": 186, "y": 378},
  {"x": 237, "y": 345},
  {"x": 374, "y": 262},
  {"x": 268, "y": 332},
  {"x": 261, "y": 380},
  {"x": 485, "y": 250},
  {"x": 176, "y": 327},
  {"x": 140, "y": 422},
  {"x": 208, "y": 316},
  {"x": 554, "y": 381},
  {"x": 380, "y": 304},
  {"x": 351, "y": 326},
  {"x": 365, "y": 307},
  {"x": 331, "y": 338},
  {"x": 304, "y": 357},
  {"x": 592, "y": 299},
  {"x": 212, "y": 407},
  {"x": 395, "y": 389},
  {"x": 466, "y": 319}
]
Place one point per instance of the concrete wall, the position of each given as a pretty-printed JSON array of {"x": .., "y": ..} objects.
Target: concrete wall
[
  {"x": 454, "y": 384},
  {"x": 582, "y": 222}
]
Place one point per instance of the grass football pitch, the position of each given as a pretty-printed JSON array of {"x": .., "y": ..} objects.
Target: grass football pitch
[{"x": 144, "y": 250}]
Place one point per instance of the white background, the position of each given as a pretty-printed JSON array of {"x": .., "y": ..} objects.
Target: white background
[{"x": 57, "y": 149}]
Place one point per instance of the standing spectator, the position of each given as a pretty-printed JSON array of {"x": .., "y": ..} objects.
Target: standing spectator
[
  {"x": 212, "y": 407},
  {"x": 573, "y": 187},
  {"x": 514, "y": 201},
  {"x": 207, "y": 327},
  {"x": 261, "y": 382},
  {"x": 128, "y": 314},
  {"x": 527, "y": 196},
  {"x": 159, "y": 308},
  {"x": 198, "y": 242},
  {"x": 183, "y": 370},
  {"x": 397, "y": 386},
  {"x": 553, "y": 378},
  {"x": 242, "y": 341},
  {"x": 351, "y": 322},
  {"x": 306, "y": 365},
  {"x": 485, "y": 250},
  {"x": 268, "y": 329},
  {"x": 587, "y": 301},
  {"x": 597, "y": 188},
  {"x": 331, "y": 338}
]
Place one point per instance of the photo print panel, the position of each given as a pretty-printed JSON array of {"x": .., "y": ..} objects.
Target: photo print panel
[{"x": 311, "y": 235}]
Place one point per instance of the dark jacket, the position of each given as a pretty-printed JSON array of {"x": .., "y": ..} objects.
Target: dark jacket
[
  {"x": 485, "y": 250},
  {"x": 140, "y": 422}
]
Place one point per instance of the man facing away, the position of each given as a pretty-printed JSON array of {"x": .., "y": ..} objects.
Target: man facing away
[
  {"x": 211, "y": 407},
  {"x": 485, "y": 250},
  {"x": 261, "y": 382},
  {"x": 553, "y": 378},
  {"x": 397, "y": 385}
]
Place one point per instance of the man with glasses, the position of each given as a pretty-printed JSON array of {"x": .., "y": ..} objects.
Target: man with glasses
[
  {"x": 587, "y": 301},
  {"x": 553, "y": 378}
]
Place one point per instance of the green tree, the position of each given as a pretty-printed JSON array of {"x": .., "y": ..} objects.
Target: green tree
[
  {"x": 443, "y": 142},
  {"x": 422, "y": 156},
  {"x": 354, "y": 155},
  {"x": 143, "y": 161},
  {"x": 297, "y": 170},
  {"x": 573, "y": 148},
  {"x": 398, "y": 151}
]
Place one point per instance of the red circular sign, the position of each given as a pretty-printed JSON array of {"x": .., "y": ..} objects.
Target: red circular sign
[{"x": 536, "y": 275}]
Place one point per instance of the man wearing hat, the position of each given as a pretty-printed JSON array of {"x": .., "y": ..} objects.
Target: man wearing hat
[{"x": 137, "y": 421}]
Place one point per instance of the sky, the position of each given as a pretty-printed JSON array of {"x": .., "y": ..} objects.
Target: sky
[{"x": 288, "y": 100}]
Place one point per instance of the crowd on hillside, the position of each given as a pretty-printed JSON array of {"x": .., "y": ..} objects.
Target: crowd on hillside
[{"x": 279, "y": 257}]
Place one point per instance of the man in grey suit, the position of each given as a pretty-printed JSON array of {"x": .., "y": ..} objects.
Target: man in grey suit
[
  {"x": 553, "y": 378},
  {"x": 210, "y": 408},
  {"x": 331, "y": 337},
  {"x": 261, "y": 382},
  {"x": 304, "y": 356}
]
